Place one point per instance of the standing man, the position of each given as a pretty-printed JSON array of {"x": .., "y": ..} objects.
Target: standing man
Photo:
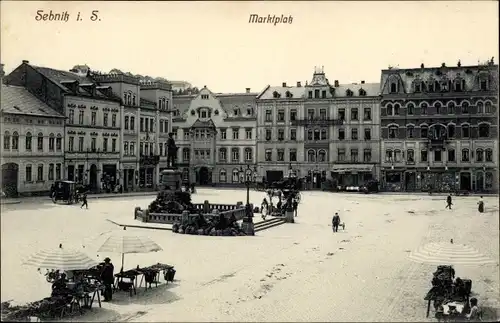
[
  {"x": 448, "y": 202},
  {"x": 107, "y": 277},
  {"x": 295, "y": 205},
  {"x": 84, "y": 200},
  {"x": 171, "y": 150},
  {"x": 336, "y": 222}
]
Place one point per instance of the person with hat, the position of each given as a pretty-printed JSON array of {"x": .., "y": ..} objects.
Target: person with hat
[
  {"x": 107, "y": 277},
  {"x": 336, "y": 222}
]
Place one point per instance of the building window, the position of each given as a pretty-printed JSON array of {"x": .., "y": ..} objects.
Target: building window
[
  {"x": 222, "y": 176},
  {"x": 354, "y": 134},
  {"x": 393, "y": 132},
  {"x": 465, "y": 107},
  {"x": 51, "y": 172},
  {"x": 341, "y": 155},
  {"x": 367, "y": 115},
  {"x": 423, "y": 156},
  {"x": 281, "y": 115},
  {"x": 309, "y": 134},
  {"x": 160, "y": 149},
  {"x": 410, "y": 131},
  {"x": 451, "y": 155},
  {"x": 322, "y": 114},
  {"x": 316, "y": 134},
  {"x": 310, "y": 94},
  {"x": 52, "y": 142},
  {"x": 465, "y": 131},
  {"x": 311, "y": 155},
  {"x": 113, "y": 120},
  {"x": 132, "y": 148},
  {"x": 323, "y": 134},
  {"x": 479, "y": 155},
  {"x": 396, "y": 109},
  {"x": 269, "y": 116},
  {"x": 423, "y": 108},
  {"x": 410, "y": 156},
  {"x": 29, "y": 175},
  {"x": 281, "y": 134},
  {"x": 71, "y": 141},
  {"x": 438, "y": 106},
  {"x": 368, "y": 134},
  {"x": 465, "y": 155},
  {"x": 204, "y": 96},
  {"x": 293, "y": 115},
  {"x": 367, "y": 155},
  {"x": 132, "y": 123},
  {"x": 480, "y": 107},
  {"x": 151, "y": 125},
  {"x": 80, "y": 143},
  {"x": 141, "y": 124},
  {"x": 389, "y": 110},
  {"x": 281, "y": 155},
  {"x": 28, "y": 141},
  {"x": 236, "y": 176},
  {"x": 6, "y": 141},
  {"x": 186, "y": 154},
  {"x": 292, "y": 155},
  {"x": 293, "y": 134},
  {"x": 483, "y": 85},
  {"x": 15, "y": 141},
  {"x": 93, "y": 144},
  {"x": 451, "y": 108},
  {"x": 484, "y": 130},
  {"x": 394, "y": 87},
  {"x": 417, "y": 87},
  {"x": 248, "y": 154},
  {"x": 71, "y": 117},
  {"x": 397, "y": 155},
  {"x": 40, "y": 142},
  {"x": 489, "y": 155},
  {"x": 269, "y": 134},
  {"x": 235, "y": 155},
  {"x": 93, "y": 117},
  {"x": 438, "y": 156},
  {"x": 354, "y": 114},
  {"x": 248, "y": 134},
  {"x": 269, "y": 155},
  {"x": 451, "y": 131},
  {"x": 125, "y": 148},
  {"x": 39, "y": 176},
  {"x": 310, "y": 114},
  {"x": 424, "y": 131},
  {"x": 236, "y": 133},
  {"x": 58, "y": 142},
  {"x": 81, "y": 116},
  {"x": 113, "y": 145},
  {"x": 321, "y": 156},
  {"x": 354, "y": 156},
  {"x": 223, "y": 134},
  {"x": 316, "y": 94},
  {"x": 488, "y": 107},
  {"x": 341, "y": 134},
  {"x": 58, "y": 172},
  {"x": 410, "y": 109}
]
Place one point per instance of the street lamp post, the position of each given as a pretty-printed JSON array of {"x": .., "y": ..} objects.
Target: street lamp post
[{"x": 248, "y": 176}]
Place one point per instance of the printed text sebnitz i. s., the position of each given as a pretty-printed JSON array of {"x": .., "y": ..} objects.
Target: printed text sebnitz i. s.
[
  {"x": 42, "y": 15},
  {"x": 274, "y": 19}
]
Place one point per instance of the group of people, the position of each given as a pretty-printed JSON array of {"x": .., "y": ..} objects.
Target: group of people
[
  {"x": 480, "y": 204},
  {"x": 267, "y": 207}
]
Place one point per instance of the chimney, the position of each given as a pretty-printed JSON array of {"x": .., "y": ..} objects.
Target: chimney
[
  {"x": 284, "y": 84},
  {"x": 363, "y": 82},
  {"x": 26, "y": 62},
  {"x": 298, "y": 84},
  {"x": 336, "y": 83},
  {"x": 247, "y": 90}
]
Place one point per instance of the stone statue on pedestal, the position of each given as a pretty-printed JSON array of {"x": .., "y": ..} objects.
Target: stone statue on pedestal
[{"x": 171, "y": 151}]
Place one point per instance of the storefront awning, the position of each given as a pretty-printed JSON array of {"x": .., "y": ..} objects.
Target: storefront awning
[{"x": 352, "y": 168}]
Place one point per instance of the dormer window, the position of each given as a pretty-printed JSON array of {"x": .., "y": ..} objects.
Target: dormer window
[
  {"x": 276, "y": 95},
  {"x": 459, "y": 85},
  {"x": 204, "y": 114},
  {"x": 362, "y": 92},
  {"x": 394, "y": 87},
  {"x": 437, "y": 86},
  {"x": 289, "y": 94},
  {"x": 483, "y": 85},
  {"x": 204, "y": 96},
  {"x": 236, "y": 112},
  {"x": 348, "y": 92},
  {"x": 250, "y": 112},
  {"x": 418, "y": 87}
]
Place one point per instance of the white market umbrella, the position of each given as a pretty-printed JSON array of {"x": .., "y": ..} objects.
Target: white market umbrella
[
  {"x": 122, "y": 242},
  {"x": 61, "y": 259},
  {"x": 449, "y": 253}
]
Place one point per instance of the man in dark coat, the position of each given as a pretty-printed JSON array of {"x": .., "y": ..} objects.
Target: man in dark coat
[
  {"x": 448, "y": 202},
  {"x": 107, "y": 277},
  {"x": 336, "y": 222},
  {"x": 84, "y": 200},
  {"x": 295, "y": 205}
]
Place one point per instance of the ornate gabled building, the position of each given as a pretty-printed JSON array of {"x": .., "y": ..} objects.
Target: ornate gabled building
[
  {"x": 146, "y": 121},
  {"x": 322, "y": 130},
  {"x": 440, "y": 128},
  {"x": 92, "y": 128},
  {"x": 215, "y": 133}
]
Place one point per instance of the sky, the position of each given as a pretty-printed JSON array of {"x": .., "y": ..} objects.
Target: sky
[{"x": 213, "y": 43}]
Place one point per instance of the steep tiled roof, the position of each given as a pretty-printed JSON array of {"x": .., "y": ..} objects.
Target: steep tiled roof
[
  {"x": 372, "y": 89},
  {"x": 297, "y": 92},
  {"x": 17, "y": 100}
]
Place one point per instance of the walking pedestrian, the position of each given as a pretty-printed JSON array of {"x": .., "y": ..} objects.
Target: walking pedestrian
[
  {"x": 480, "y": 205},
  {"x": 84, "y": 200},
  {"x": 336, "y": 222},
  {"x": 448, "y": 202},
  {"x": 295, "y": 205},
  {"x": 107, "y": 277}
]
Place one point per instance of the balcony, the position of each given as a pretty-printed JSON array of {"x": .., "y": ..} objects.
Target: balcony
[
  {"x": 151, "y": 160},
  {"x": 434, "y": 143},
  {"x": 317, "y": 122}
]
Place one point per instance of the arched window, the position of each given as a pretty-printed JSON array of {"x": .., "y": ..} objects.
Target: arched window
[
  {"x": 438, "y": 106},
  {"x": 222, "y": 154},
  {"x": 451, "y": 107},
  {"x": 410, "y": 131},
  {"x": 59, "y": 142},
  {"x": 388, "y": 156},
  {"x": 322, "y": 156},
  {"x": 397, "y": 156},
  {"x": 410, "y": 156},
  {"x": 451, "y": 130},
  {"x": 311, "y": 155},
  {"x": 6, "y": 140},
  {"x": 484, "y": 131},
  {"x": 40, "y": 142},
  {"x": 393, "y": 131},
  {"x": 126, "y": 122},
  {"x": 52, "y": 142},
  {"x": 28, "y": 141},
  {"x": 396, "y": 109},
  {"x": 236, "y": 176},
  {"x": 488, "y": 107},
  {"x": 15, "y": 140},
  {"x": 479, "y": 155},
  {"x": 465, "y": 131},
  {"x": 222, "y": 176},
  {"x": 465, "y": 107},
  {"x": 323, "y": 134},
  {"x": 424, "y": 131},
  {"x": 480, "y": 107},
  {"x": 489, "y": 155},
  {"x": 390, "y": 111},
  {"x": 309, "y": 134},
  {"x": 248, "y": 154},
  {"x": 465, "y": 155},
  {"x": 51, "y": 172},
  {"x": 410, "y": 109},
  {"x": 394, "y": 87},
  {"x": 423, "y": 108}
]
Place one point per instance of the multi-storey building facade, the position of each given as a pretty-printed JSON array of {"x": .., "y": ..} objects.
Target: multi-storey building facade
[
  {"x": 92, "y": 129},
  {"x": 146, "y": 123},
  {"x": 440, "y": 128},
  {"x": 215, "y": 134},
  {"x": 32, "y": 141},
  {"x": 321, "y": 130}
]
